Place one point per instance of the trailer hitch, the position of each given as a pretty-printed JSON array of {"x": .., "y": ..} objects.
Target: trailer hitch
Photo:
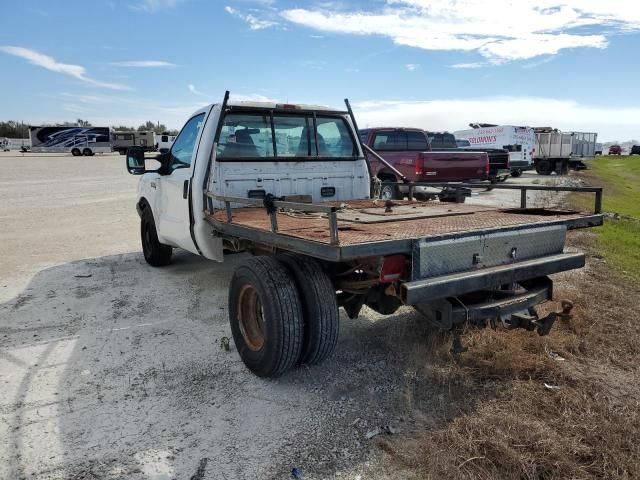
[{"x": 530, "y": 321}]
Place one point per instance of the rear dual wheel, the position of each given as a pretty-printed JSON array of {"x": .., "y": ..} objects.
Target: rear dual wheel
[{"x": 282, "y": 311}]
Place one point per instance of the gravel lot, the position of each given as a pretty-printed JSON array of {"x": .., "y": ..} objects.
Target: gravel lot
[{"x": 110, "y": 368}]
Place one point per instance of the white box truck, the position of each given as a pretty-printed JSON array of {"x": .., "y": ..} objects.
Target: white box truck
[
  {"x": 75, "y": 140},
  {"x": 519, "y": 141}
]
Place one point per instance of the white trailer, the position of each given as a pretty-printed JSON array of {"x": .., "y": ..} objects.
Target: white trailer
[
  {"x": 75, "y": 140},
  {"x": 557, "y": 151},
  {"x": 164, "y": 142},
  {"x": 519, "y": 141},
  {"x": 122, "y": 140}
]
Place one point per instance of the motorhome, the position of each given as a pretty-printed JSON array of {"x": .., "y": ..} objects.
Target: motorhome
[{"x": 123, "y": 140}]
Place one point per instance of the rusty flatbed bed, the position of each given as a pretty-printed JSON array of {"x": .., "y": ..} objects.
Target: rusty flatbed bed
[{"x": 364, "y": 228}]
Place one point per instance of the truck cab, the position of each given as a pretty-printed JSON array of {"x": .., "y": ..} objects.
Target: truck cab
[{"x": 250, "y": 150}]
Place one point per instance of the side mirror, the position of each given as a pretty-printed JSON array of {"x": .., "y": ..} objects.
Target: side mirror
[{"x": 135, "y": 160}]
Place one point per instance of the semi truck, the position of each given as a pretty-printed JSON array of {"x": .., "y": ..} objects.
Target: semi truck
[
  {"x": 518, "y": 141},
  {"x": 290, "y": 184},
  {"x": 75, "y": 140},
  {"x": 123, "y": 140}
]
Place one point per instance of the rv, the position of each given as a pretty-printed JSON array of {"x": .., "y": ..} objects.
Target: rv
[
  {"x": 75, "y": 140},
  {"x": 165, "y": 141},
  {"x": 123, "y": 140},
  {"x": 518, "y": 141}
]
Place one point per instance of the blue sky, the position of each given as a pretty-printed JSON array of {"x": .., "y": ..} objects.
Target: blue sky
[{"x": 436, "y": 64}]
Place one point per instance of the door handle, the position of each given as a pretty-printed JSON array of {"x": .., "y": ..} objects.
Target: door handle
[{"x": 185, "y": 189}]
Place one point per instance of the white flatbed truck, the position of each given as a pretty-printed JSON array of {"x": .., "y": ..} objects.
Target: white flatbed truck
[{"x": 290, "y": 184}]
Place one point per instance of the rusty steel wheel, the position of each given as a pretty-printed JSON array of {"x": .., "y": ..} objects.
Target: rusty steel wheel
[
  {"x": 251, "y": 317},
  {"x": 265, "y": 315}
]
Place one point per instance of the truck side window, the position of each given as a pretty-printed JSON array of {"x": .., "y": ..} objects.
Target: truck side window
[{"x": 182, "y": 149}]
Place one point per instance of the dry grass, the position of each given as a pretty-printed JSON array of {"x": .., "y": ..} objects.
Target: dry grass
[{"x": 502, "y": 422}]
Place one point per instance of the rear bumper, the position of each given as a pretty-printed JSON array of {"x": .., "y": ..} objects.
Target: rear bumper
[{"x": 453, "y": 285}]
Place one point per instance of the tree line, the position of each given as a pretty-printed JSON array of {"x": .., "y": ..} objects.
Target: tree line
[{"x": 13, "y": 129}]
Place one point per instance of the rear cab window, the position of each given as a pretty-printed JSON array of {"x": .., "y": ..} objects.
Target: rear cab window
[
  {"x": 400, "y": 140},
  {"x": 270, "y": 135}
]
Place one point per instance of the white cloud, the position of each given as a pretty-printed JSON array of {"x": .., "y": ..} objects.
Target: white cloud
[
  {"x": 143, "y": 64},
  {"x": 500, "y": 30},
  {"x": 468, "y": 65},
  {"x": 455, "y": 114},
  {"x": 192, "y": 88},
  {"x": 153, "y": 6},
  {"x": 45, "y": 61},
  {"x": 411, "y": 66},
  {"x": 254, "y": 22}
]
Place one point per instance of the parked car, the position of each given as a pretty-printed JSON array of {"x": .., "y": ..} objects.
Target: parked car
[
  {"x": 635, "y": 150},
  {"x": 409, "y": 150},
  {"x": 615, "y": 150}
]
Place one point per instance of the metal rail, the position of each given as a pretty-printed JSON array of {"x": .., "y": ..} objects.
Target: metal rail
[
  {"x": 331, "y": 211},
  {"x": 523, "y": 190}
]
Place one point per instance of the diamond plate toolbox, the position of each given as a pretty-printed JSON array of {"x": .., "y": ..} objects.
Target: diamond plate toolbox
[{"x": 442, "y": 257}]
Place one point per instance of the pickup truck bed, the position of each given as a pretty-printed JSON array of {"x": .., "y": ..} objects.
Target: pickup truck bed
[{"x": 365, "y": 229}]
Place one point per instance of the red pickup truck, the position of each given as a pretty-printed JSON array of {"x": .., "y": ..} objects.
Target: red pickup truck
[{"x": 409, "y": 151}]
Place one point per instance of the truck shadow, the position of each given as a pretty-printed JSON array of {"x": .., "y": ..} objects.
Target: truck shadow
[{"x": 114, "y": 369}]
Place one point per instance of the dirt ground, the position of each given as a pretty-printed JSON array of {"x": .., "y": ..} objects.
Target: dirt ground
[{"x": 113, "y": 369}]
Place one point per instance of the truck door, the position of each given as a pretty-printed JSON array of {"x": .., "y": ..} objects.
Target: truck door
[{"x": 173, "y": 188}]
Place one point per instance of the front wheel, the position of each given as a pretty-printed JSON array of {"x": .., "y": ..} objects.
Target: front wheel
[
  {"x": 155, "y": 253},
  {"x": 265, "y": 315},
  {"x": 516, "y": 172}
]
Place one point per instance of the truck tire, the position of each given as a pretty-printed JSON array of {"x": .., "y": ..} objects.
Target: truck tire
[
  {"x": 516, "y": 172},
  {"x": 76, "y": 152},
  {"x": 545, "y": 167},
  {"x": 87, "y": 152},
  {"x": 319, "y": 308},
  {"x": 265, "y": 314},
  {"x": 388, "y": 190},
  {"x": 155, "y": 253}
]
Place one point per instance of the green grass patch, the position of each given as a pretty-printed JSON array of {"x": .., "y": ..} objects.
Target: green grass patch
[{"x": 618, "y": 239}]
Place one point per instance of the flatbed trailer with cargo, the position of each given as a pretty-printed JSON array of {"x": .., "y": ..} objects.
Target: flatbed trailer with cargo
[{"x": 290, "y": 184}]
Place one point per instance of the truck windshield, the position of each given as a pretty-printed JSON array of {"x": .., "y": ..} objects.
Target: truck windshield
[{"x": 250, "y": 135}]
